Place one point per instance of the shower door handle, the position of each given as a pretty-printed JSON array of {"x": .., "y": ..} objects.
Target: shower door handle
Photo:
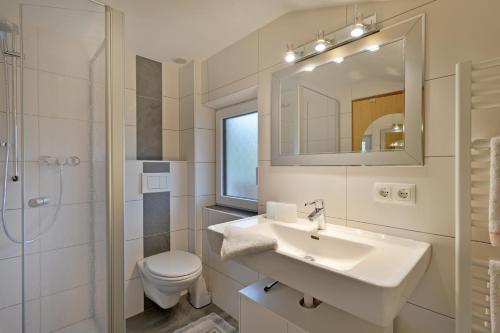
[{"x": 38, "y": 202}]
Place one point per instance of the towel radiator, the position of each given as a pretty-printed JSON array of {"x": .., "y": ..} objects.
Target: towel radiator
[{"x": 477, "y": 93}]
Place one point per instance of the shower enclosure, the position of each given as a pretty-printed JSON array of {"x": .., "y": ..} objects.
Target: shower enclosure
[{"x": 54, "y": 158}]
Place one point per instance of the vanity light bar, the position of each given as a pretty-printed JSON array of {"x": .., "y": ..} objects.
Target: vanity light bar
[{"x": 330, "y": 41}]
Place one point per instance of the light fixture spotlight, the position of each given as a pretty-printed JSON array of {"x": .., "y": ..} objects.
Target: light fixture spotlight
[
  {"x": 290, "y": 55},
  {"x": 309, "y": 68},
  {"x": 358, "y": 28},
  {"x": 321, "y": 42},
  {"x": 338, "y": 60},
  {"x": 373, "y": 48}
]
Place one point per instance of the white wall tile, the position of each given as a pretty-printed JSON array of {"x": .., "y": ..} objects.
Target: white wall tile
[
  {"x": 133, "y": 253},
  {"x": 205, "y": 178},
  {"x": 265, "y": 137},
  {"x": 192, "y": 240},
  {"x": 130, "y": 142},
  {"x": 186, "y": 112},
  {"x": 170, "y": 145},
  {"x": 14, "y": 188},
  {"x": 65, "y": 269},
  {"x": 133, "y": 223},
  {"x": 264, "y": 89},
  {"x": 10, "y": 288},
  {"x": 130, "y": 107},
  {"x": 63, "y": 96},
  {"x": 414, "y": 319},
  {"x": 178, "y": 173},
  {"x": 72, "y": 227},
  {"x": 170, "y": 80},
  {"x": 75, "y": 183},
  {"x": 436, "y": 290},
  {"x": 201, "y": 77},
  {"x": 170, "y": 113},
  {"x": 433, "y": 211},
  {"x": 212, "y": 216},
  {"x": 204, "y": 145},
  {"x": 186, "y": 80},
  {"x": 179, "y": 240},
  {"x": 246, "y": 87},
  {"x": 178, "y": 213},
  {"x": 30, "y": 91},
  {"x": 64, "y": 137},
  {"x": 222, "y": 67},
  {"x": 192, "y": 212},
  {"x": 11, "y": 318},
  {"x": 186, "y": 145},
  {"x": 65, "y": 308},
  {"x": 440, "y": 117},
  {"x": 133, "y": 180},
  {"x": 8, "y": 249},
  {"x": 63, "y": 51},
  {"x": 201, "y": 202},
  {"x": 134, "y": 297},
  {"x": 204, "y": 116},
  {"x": 302, "y": 184},
  {"x": 130, "y": 73}
]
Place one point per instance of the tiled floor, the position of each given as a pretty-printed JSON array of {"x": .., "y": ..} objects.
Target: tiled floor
[{"x": 157, "y": 320}]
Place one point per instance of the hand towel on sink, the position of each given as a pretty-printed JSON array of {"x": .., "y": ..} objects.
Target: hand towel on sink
[
  {"x": 494, "y": 271},
  {"x": 240, "y": 242},
  {"x": 494, "y": 211}
]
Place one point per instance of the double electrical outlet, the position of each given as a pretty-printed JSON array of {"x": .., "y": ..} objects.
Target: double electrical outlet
[{"x": 394, "y": 193}]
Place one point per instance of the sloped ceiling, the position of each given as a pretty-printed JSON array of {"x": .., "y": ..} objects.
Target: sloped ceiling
[{"x": 196, "y": 29}]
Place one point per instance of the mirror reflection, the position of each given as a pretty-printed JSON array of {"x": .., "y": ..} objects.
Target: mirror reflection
[{"x": 348, "y": 105}]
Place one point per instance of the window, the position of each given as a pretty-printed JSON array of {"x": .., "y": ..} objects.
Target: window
[{"x": 237, "y": 156}]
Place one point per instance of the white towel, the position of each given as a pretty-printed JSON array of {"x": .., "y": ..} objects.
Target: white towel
[
  {"x": 495, "y": 295},
  {"x": 240, "y": 242},
  {"x": 494, "y": 211}
]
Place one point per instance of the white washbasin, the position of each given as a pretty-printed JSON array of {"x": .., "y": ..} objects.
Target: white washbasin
[{"x": 367, "y": 274}]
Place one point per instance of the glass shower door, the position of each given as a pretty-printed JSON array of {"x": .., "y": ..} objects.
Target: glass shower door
[{"x": 53, "y": 248}]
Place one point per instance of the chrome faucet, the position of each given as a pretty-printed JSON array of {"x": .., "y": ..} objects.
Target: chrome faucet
[{"x": 318, "y": 214}]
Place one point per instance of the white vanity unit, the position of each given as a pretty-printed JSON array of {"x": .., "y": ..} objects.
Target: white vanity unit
[
  {"x": 366, "y": 274},
  {"x": 279, "y": 311}
]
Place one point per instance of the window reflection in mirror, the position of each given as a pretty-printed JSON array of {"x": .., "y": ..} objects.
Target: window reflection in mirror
[{"x": 353, "y": 106}]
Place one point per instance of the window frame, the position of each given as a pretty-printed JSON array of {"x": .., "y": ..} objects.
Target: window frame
[{"x": 220, "y": 115}]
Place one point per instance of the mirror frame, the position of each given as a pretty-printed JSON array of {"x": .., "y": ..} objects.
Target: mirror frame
[{"x": 412, "y": 32}]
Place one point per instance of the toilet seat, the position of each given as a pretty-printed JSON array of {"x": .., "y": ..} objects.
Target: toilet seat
[{"x": 173, "y": 265}]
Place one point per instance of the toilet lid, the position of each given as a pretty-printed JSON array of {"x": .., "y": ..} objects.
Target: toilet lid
[{"x": 173, "y": 264}]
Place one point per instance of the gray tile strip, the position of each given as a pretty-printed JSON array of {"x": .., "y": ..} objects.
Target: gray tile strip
[{"x": 155, "y": 167}]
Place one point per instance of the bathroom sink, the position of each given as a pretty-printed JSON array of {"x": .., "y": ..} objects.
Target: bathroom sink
[{"x": 367, "y": 274}]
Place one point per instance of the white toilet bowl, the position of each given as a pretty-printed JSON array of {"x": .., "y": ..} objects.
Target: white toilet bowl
[{"x": 165, "y": 275}]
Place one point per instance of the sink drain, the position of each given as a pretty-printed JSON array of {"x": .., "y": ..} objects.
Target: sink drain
[{"x": 309, "y": 258}]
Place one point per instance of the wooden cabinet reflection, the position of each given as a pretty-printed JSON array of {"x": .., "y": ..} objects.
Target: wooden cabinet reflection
[{"x": 366, "y": 110}]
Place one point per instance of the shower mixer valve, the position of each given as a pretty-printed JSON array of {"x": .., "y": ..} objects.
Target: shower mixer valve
[{"x": 70, "y": 161}]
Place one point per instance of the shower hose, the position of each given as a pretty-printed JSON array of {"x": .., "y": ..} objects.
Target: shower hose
[{"x": 59, "y": 164}]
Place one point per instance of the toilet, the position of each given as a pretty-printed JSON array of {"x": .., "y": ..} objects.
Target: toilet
[{"x": 166, "y": 275}]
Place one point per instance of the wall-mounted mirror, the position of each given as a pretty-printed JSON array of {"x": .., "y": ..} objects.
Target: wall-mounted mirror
[{"x": 359, "y": 104}]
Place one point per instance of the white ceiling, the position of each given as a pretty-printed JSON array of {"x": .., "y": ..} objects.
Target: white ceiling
[{"x": 197, "y": 29}]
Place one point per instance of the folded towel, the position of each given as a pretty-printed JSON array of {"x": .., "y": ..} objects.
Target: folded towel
[
  {"x": 240, "y": 242},
  {"x": 495, "y": 295},
  {"x": 494, "y": 211}
]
